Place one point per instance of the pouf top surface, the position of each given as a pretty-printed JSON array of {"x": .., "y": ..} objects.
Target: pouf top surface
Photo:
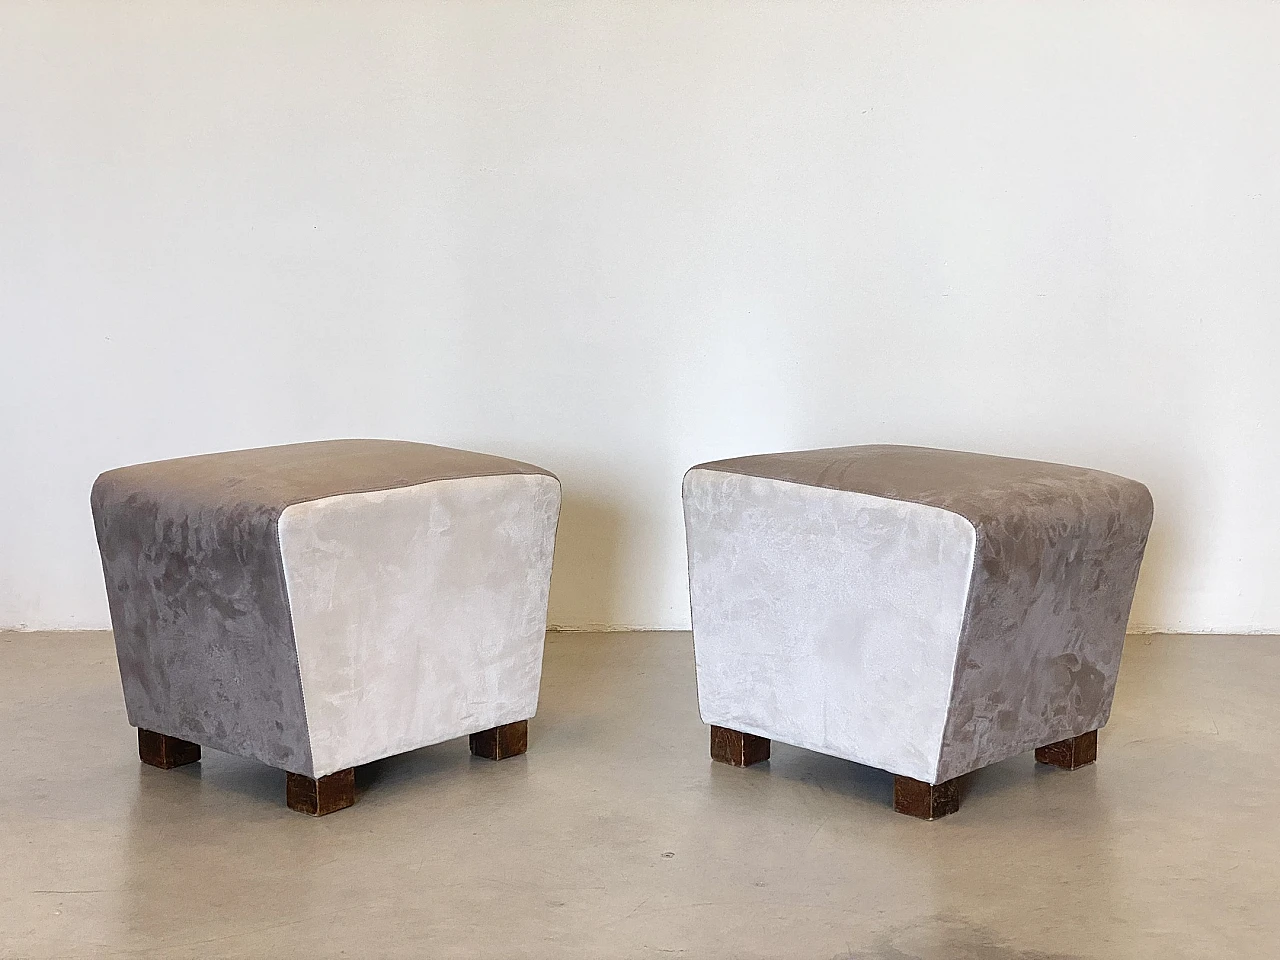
[
  {"x": 276, "y": 477},
  {"x": 974, "y": 485}
]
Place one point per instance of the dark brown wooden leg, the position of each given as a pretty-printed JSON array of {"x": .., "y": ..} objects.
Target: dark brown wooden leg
[
  {"x": 498, "y": 743},
  {"x": 337, "y": 791},
  {"x": 928, "y": 801},
  {"x": 737, "y": 749},
  {"x": 165, "y": 752},
  {"x": 1070, "y": 754}
]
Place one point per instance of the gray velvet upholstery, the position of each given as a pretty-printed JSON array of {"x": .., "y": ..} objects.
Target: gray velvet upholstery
[
  {"x": 196, "y": 587},
  {"x": 1056, "y": 561}
]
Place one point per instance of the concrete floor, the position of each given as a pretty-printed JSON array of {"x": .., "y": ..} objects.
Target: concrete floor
[{"x": 616, "y": 837}]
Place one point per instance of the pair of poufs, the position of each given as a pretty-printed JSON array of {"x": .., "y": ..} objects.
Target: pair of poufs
[{"x": 320, "y": 606}]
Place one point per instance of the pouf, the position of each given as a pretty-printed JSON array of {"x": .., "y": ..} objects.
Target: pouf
[
  {"x": 318, "y": 606},
  {"x": 926, "y": 612}
]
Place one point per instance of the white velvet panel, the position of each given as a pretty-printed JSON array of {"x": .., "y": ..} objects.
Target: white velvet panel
[
  {"x": 420, "y": 612},
  {"x": 826, "y": 619}
]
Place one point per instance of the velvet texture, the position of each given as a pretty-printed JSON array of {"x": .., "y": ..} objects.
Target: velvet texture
[
  {"x": 1056, "y": 560},
  {"x": 419, "y": 612},
  {"x": 826, "y": 619},
  {"x": 196, "y": 585}
]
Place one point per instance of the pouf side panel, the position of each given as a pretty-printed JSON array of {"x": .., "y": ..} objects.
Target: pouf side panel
[
  {"x": 201, "y": 622},
  {"x": 1046, "y": 619},
  {"x": 420, "y": 613},
  {"x": 826, "y": 619}
]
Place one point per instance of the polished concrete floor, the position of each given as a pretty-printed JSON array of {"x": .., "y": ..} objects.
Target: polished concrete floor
[{"x": 616, "y": 837}]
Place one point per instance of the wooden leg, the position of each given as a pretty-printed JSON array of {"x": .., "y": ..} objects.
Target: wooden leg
[
  {"x": 1070, "y": 754},
  {"x": 737, "y": 749},
  {"x": 337, "y": 791},
  {"x": 498, "y": 743},
  {"x": 928, "y": 801},
  {"x": 165, "y": 752}
]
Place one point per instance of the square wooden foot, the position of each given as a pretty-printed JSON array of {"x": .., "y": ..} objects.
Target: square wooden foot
[
  {"x": 736, "y": 748},
  {"x": 928, "y": 801},
  {"x": 1070, "y": 754},
  {"x": 498, "y": 743},
  {"x": 165, "y": 752},
  {"x": 337, "y": 791}
]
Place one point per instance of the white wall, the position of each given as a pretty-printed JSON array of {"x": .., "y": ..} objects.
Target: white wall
[{"x": 617, "y": 238}]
